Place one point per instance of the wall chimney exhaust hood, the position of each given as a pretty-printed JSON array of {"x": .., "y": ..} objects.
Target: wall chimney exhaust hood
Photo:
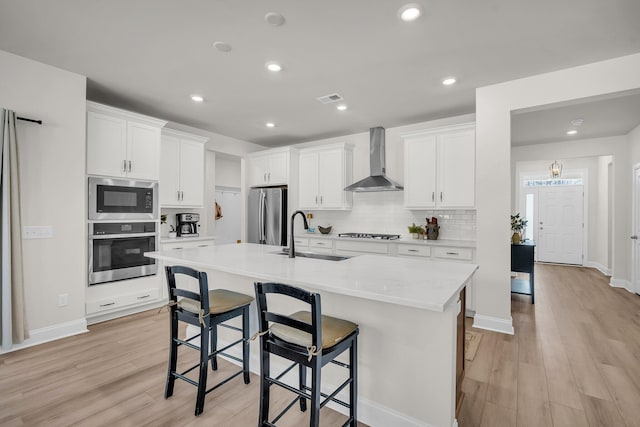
[{"x": 377, "y": 180}]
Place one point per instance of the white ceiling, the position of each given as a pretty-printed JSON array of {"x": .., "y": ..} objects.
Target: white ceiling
[
  {"x": 150, "y": 55},
  {"x": 612, "y": 115}
]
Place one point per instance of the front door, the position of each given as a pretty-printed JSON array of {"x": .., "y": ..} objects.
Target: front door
[
  {"x": 560, "y": 224},
  {"x": 636, "y": 230}
]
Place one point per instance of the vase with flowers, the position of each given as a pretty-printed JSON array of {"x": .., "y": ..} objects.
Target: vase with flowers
[{"x": 518, "y": 225}]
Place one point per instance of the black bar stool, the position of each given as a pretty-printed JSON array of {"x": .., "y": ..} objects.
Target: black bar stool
[
  {"x": 207, "y": 310},
  {"x": 309, "y": 340}
]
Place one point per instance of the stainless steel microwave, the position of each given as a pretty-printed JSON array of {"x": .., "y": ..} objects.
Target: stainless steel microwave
[{"x": 122, "y": 199}]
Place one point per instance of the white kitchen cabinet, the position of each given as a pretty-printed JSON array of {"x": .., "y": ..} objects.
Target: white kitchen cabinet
[
  {"x": 122, "y": 144},
  {"x": 182, "y": 173},
  {"x": 269, "y": 167},
  {"x": 324, "y": 173},
  {"x": 440, "y": 168}
]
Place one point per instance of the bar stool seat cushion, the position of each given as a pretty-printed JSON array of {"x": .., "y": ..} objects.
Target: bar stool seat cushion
[
  {"x": 220, "y": 301},
  {"x": 333, "y": 330}
]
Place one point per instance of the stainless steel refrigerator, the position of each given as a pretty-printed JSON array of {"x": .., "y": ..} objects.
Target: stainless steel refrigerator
[{"x": 267, "y": 216}]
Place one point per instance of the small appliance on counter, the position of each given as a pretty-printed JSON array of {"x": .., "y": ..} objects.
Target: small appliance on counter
[{"x": 187, "y": 224}]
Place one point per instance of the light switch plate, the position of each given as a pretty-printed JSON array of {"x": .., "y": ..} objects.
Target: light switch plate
[{"x": 37, "y": 232}]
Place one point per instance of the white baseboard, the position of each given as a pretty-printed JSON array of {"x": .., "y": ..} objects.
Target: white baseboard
[
  {"x": 369, "y": 412},
  {"x": 495, "y": 324},
  {"x": 51, "y": 333},
  {"x": 622, "y": 283},
  {"x": 601, "y": 268}
]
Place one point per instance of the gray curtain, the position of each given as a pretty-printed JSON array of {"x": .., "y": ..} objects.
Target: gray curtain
[{"x": 12, "y": 309}]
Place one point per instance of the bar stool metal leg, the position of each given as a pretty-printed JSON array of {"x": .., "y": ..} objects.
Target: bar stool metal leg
[
  {"x": 316, "y": 372},
  {"x": 245, "y": 344},
  {"x": 264, "y": 389},
  {"x": 302, "y": 385},
  {"x": 214, "y": 346},
  {"x": 173, "y": 357},
  {"x": 353, "y": 387},
  {"x": 204, "y": 366}
]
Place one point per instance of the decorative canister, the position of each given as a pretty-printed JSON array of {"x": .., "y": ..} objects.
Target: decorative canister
[{"x": 433, "y": 230}]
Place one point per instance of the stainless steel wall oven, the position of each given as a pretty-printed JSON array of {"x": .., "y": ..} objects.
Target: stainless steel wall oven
[{"x": 116, "y": 250}]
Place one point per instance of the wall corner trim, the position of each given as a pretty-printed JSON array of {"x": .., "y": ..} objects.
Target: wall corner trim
[
  {"x": 52, "y": 333},
  {"x": 496, "y": 324},
  {"x": 601, "y": 268},
  {"x": 621, "y": 283}
]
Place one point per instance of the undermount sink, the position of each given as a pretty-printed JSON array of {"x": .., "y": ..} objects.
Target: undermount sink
[{"x": 327, "y": 257}]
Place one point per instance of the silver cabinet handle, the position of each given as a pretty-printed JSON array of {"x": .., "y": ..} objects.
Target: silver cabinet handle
[
  {"x": 129, "y": 165},
  {"x": 441, "y": 196},
  {"x": 144, "y": 296},
  {"x": 634, "y": 237},
  {"x": 453, "y": 253},
  {"x": 320, "y": 199},
  {"x": 413, "y": 250},
  {"x": 182, "y": 196},
  {"x": 269, "y": 176},
  {"x": 178, "y": 195},
  {"x": 433, "y": 196},
  {"x": 124, "y": 166},
  {"x": 107, "y": 304},
  {"x": 264, "y": 178},
  {"x": 316, "y": 199}
]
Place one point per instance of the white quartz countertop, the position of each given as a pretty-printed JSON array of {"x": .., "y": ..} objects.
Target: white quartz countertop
[
  {"x": 429, "y": 285},
  {"x": 402, "y": 239},
  {"x": 185, "y": 239}
]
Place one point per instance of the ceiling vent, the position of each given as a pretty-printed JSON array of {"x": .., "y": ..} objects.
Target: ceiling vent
[{"x": 328, "y": 99}]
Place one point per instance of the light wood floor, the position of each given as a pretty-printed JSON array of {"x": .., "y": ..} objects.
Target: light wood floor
[
  {"x": 574, "y": 359},
  {"x": 114, "y": 376}
]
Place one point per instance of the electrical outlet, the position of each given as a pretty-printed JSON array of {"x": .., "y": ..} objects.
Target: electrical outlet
[
  {"x": 63, "y": 300},
  {"x": 37, "y": 232}
]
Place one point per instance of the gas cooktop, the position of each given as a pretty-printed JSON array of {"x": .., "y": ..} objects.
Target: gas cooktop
[{"x": 370, "y": 236}]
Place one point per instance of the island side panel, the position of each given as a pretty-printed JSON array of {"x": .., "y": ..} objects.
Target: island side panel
[{"x": 406, "y": 356}]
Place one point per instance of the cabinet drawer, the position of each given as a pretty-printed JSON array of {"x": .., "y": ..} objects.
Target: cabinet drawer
[
  {"x": 301, "y": 243},
  {"x": 120, "y": 301},
  {"x": 187, "y": 244},
  {"x": 414, "y": 250},
  {"x": 464, "y": 254},
  {"x": 320, "y": 243},
  {"x": 365, "y": 247}
]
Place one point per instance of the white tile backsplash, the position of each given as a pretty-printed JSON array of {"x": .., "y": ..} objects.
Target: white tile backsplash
[{"x": 384, "y": 212}]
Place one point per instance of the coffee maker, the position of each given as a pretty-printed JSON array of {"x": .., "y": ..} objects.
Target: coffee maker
[{"x": 187, "y": 224}]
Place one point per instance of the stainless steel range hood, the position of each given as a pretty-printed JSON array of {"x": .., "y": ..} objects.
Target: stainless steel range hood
[{"x": 377, "y": 181}]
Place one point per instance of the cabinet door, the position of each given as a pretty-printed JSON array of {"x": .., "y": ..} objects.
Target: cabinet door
[
  {"x": 143, "y": 151},
  {"x": 257, "y": 167},
  {"x": 106, "y": 145},
  {"x": 169, "y": 171},
  {"x": 331, "y": 179},
  {"x": 278, "y": 169},
  {"x": 192, "y": 173},
  {"x": 456, "y": 169},
  {"x": 420, "y": 172},
  {"x": 308, "y": 186}
]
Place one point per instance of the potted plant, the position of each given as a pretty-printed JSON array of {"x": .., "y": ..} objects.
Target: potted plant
[
  {"x": 416, "y": 230},
  {"x": 517, "y": 226}
]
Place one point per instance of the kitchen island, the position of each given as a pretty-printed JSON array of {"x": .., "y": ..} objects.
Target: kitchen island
[{"x": 407, "y": 311}]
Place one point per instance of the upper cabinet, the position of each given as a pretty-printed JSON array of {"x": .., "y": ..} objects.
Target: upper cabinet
[
  {"x": 269, "y": 167},
  {"x": 324, "y": 173},
  {"x": 122, "y": 144},
  {"x": 182, "y": 160},
  {"x": 439, "y": 168}
]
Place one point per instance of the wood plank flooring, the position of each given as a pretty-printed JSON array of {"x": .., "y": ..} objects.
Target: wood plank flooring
[
  {"x": 114, "y": 376},
  {"x": 574, "y": 359}
]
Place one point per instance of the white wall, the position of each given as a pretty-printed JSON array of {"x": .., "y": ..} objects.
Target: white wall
[
  {"x": 53, "y": 189},
  {"x": 384, "y": 212},
  {"x": 228, "y": 171},
  {"x": 494, "y": 105},
  {"x": 634, "y": 145}
]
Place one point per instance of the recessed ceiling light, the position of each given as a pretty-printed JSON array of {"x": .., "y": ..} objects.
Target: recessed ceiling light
[
  {"x": 448, "y": 81},
  {"x": 577, "y": 122},
  {"x": 197, "y": 98},
  {"x": 410, "y": 12},
  {"x": 222, "y": 46},
  {"x": 274, "y": 18},
  {"x": 273, "y": 66},
  {"x": 341, "y": 107},
  {"x": 572, "y": 132},
  {"x": 270, "y": 124}
]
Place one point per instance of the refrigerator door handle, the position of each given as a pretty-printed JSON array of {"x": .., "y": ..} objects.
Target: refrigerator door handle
[{"x": 263, "y": 213}]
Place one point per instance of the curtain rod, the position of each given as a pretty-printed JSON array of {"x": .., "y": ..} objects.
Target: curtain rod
[{"x": 30, "y": 120}]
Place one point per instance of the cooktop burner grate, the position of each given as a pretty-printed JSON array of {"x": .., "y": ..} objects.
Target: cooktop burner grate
[{"x": 370, "y": 236}]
